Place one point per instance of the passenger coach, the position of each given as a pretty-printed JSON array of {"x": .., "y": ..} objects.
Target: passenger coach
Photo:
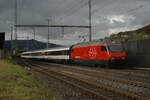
[{"x": 59, "y": 53}]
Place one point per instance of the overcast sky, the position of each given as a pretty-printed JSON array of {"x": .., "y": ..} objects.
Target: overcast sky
[{"x": 108, "y": 16}]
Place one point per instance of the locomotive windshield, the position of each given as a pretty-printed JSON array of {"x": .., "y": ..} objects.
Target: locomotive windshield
[{"x": 115, "y": 48}]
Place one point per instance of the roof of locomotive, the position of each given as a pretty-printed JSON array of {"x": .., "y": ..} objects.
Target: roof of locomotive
[
  {"x": 97, "y": 42},
  {"x": 48, "y": 50}
]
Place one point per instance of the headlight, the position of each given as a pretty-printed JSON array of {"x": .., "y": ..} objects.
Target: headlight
[
  {"x": 113, "y": 58},
  {"x": 123, "y": 57}
]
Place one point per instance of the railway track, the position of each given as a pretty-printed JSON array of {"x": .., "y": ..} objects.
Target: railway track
[
  {"x": 93, "y": 88},
  {"x": 132, "y": 75},
  {"x": 139, "y": 88},
  {"x": 115, "y": 79},
  {"x": 63, "y": 78},
  {"x": 107, "y": 80},
  {"x": 135, "y": 75},
  {"x": 141, "y": 78}
]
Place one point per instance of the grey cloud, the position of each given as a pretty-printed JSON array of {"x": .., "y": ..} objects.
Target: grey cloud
[{"x": 73, "y": 12}]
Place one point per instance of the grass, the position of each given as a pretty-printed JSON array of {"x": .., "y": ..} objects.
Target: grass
[{"x": 16, "y": 84}]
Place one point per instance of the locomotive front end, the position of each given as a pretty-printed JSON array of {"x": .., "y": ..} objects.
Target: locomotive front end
[{"x": 117, "y": 54}]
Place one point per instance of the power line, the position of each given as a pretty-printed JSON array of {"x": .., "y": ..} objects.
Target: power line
[
  {"x": 131, "y": 11},
  {"x": 63, "y": 26},
  {"x": 34, "y": 33},
  {"x": 78, "y": 7},
  {"x": 128, "y": 11}
]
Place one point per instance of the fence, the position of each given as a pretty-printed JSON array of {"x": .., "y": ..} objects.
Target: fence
[{"x": 138, "y": 53}]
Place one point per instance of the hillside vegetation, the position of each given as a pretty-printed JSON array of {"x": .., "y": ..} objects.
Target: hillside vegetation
[{"x": 139, "y": 34}]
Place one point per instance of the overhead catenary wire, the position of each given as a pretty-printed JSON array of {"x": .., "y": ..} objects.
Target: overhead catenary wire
[
  {"x": 82, "y": 3},
  {"x": 79, "y": 5},
  {"x": 75, "y": 8}
]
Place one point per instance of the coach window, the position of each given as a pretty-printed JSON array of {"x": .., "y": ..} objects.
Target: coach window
[
  {"x": 49, "y": 53},
  {"x": 103, "y": 48},
  {"x": 26, "y": 54},
  {"x": 33, "y": 54},
  {"x": 55, "y": 53}
]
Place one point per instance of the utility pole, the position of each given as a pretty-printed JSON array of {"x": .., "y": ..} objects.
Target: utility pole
[
  {"x": 11, "y": 37},
  {"x": 34, "y": 32},
  {"x": 27, "y": 41},
  {"x": 15, "y": 28},
  {"x": 48, "y": 34},
  {"x": 90, "y": 23},
  {"x": 63, "y": 31}
]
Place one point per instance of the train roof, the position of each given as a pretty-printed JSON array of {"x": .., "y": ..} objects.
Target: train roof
[
  {"x": 97, "y": 42},
  {"x": 48, "y": 50}
]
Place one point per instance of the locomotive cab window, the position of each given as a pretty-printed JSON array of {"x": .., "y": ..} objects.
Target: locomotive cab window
[
  {"x": 103, "y": 48},
  {"x": 115, "y": 48}
]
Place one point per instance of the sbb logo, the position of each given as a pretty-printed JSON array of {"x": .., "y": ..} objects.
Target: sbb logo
[{"x": 92, "y": 52}]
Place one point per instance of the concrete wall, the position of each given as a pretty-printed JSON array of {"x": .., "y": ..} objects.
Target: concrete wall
[{"x": 138, "y": 53}]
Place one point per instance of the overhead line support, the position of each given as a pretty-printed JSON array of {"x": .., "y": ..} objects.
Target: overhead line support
[
  {"x": 65, "y": 26},
  {"x": 90, "y": 23}
]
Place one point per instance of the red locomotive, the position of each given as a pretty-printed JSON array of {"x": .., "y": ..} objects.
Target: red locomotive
[{"x": 103, "y": 51}]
